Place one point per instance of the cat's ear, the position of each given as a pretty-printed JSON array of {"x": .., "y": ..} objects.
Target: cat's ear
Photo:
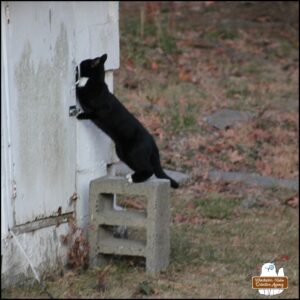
[
  {"x": 96, "y": 62},
  {"x": 103, "y": 58},
  {"x": 99, "y": 60}
]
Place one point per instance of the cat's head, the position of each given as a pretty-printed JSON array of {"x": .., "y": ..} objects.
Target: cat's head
[{"x": 91, "y": 68}]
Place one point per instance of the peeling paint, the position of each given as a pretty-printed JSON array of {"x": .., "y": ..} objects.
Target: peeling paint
[
  {"x": 40, "y": 89},
  {"x": 44, "y": 250}
]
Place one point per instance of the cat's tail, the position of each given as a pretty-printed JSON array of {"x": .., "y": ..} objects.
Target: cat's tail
[{"x": 159, "y": 173}]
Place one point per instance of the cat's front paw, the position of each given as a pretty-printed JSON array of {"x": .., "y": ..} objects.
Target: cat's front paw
[
  {"x": 129, "y": 178},
  {"x": 81, "y": 116}
]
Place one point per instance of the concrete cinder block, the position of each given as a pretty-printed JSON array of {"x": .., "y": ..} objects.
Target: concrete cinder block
[{"x": 156, "y": 221}]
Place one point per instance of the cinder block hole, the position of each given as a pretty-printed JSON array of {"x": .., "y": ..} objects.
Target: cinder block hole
[
  {"x": 132, "y": 203},
  {"x": 132, "y": 233},
  {"x": 105, "y": 202}
]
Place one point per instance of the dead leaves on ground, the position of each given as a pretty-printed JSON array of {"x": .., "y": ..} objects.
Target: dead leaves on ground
[
  {"x": 132, "y": 203},
  {"x": 261, "y": 146},
  {"x": 293, "y": 201},
  {"x": 186, "y": 219},
  {"x": 78, "y": 247},
  {"x": 234, "y": 156},
  {"x": 267, "y": 145},
  {"x": 189, "y": 215}
]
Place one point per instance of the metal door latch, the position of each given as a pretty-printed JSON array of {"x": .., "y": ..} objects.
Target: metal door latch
[{"x": 73, "y": 110}]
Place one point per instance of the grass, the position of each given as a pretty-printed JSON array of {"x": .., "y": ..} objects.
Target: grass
[
  {"x": 216, "y": 259},
  {"x": 153, "y": 35},
  {"x": 215, "y": 206},
  {"x": 238, "y": 92},
  {"x": 167, "y": 42},
  {"x": 222, "y": 33}
]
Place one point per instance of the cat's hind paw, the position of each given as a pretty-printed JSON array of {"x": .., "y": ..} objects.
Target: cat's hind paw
[{"x": 129, "y": 178}]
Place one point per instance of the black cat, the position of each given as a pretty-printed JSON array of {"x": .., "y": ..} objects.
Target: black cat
[{"x": 134, "y": 144}]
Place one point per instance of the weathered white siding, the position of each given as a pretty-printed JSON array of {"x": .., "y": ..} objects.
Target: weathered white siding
[{"x": 47, "y": 154}]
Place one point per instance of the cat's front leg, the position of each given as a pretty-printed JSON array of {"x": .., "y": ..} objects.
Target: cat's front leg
[{"x": 85, "y": 116}]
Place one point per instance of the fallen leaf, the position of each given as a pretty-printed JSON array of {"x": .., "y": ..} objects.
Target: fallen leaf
[
  {"x": 154, "y": 66},
  {"x": 129, "y": 65},
  {"x": 196, "y": 220},
  {"x": 184, "y": 75},
  {"x": 235, "y": 156},
  {"x": 263, "y": 19},
  {"x": 282, "y": 258},
  {"x": 191, "y": 205},
  {"x": 260, "y": 135},
  {"x": 229, "y": 133},
  {"x": 198, "y": 187},
  {"x": 131, "y": 203},
  {"x": 263, "y": 167},
  {"x": 179, "y": 218},
  {"x": 293, "y": 201},
  {"x": 209, "y": 3}
]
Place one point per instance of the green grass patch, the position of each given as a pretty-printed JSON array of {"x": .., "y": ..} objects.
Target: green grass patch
[
  {"x": 252, "y": 68},
  {"x": 239, "y": 92},
  {"x": 216, "y": 206},
  {"x": 181, "y": 246},
  {"x": 220, "y": 34},
  {"x": 167, "y": 42}
]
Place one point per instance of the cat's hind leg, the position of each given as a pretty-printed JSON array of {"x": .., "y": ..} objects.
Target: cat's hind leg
[
  {"x": 129, "y": 178},
  {"x": 138, "y": 159},
  {"x": 139, "y": 176}
]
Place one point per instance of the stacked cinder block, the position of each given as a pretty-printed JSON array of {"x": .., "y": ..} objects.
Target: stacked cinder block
[{"x": 156, "y": 221}]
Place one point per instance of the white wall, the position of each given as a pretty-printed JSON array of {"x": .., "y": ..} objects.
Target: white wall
[{"x": 47, "y": 154}]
